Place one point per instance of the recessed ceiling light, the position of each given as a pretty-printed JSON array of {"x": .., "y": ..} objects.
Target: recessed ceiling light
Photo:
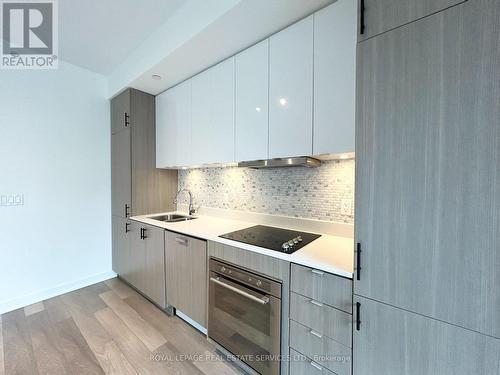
[
  {"x": 283, "y": 101},
  {"x": 258, "y": 109},
  {"x": 156, "y": 77}
]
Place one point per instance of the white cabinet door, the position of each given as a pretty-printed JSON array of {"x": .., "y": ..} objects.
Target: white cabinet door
[
  {"x": 334, "y": 77},
  {"x": 213, "y": 115},
  {"x": 291, "y": 90},
  {"x": 252, "y": 84},
  {"x": 201, "y": 92},
  {"x": 173, "y": 127},
  {"x": 222, "y": 120}
]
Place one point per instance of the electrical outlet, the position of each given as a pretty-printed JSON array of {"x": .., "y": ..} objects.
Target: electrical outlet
[
  {"x": 346, "y": 207},
  {"x": 12, "y": 200}
]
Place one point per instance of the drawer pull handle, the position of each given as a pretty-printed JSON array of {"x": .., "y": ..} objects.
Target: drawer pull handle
[
  {"x": 316, "y": 366},
  {"x": 182, "y": 241},
  {"x": 318, "y": 272},
  {"x": 316, "y": 303},
  {"x": 314, "y": 333}
]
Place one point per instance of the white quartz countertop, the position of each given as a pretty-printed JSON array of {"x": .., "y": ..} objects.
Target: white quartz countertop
[{"x": 327, "y": 253}]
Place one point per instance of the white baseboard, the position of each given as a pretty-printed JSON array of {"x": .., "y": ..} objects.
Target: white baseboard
[{"x": 18, "y": 302}]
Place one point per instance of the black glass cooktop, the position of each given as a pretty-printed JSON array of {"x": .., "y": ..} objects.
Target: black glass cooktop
[{"x": 282, "y": 240}]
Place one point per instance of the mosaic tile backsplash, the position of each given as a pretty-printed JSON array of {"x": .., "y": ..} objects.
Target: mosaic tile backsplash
[{"x": 323, "y": 193}]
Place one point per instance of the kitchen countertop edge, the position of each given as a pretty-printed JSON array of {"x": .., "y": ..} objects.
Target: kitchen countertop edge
[{"x": 304, "y": 256}]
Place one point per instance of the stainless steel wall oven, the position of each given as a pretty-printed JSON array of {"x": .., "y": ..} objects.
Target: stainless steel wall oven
[{"x": 244, "y": 316}]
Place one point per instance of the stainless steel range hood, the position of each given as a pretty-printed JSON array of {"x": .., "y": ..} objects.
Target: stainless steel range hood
[{"x": 300, "y": 161}]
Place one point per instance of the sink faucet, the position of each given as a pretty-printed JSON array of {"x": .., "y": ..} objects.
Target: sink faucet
[{"x": 191, "y": 207}]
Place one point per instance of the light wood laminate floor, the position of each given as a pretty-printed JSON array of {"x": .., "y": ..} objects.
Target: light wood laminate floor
[{"x": 106, "y": 328}]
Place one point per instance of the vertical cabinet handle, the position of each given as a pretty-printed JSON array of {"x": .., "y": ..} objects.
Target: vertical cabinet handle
[
  {"x": 126, "y": 120},
  {"x": 358, "y": 261},
  {"x": 362, "y": 17},
  {"x": 127, "y": 208},
  {"x": 126, "y": 227},
  {"x": 358, "y": 318},
  {"x": 143, "y": 233}
]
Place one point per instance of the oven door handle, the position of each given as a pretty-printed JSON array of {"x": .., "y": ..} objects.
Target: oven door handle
[{"x": 262, "y": 301}]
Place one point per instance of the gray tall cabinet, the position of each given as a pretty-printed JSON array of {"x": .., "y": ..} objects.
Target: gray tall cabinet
[
  {"x": 427, "y": 281},
  {"x": 137, "y": 187}
]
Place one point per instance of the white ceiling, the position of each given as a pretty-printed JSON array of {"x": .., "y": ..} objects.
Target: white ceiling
[
  {"x": 99, "y": 34},
  {"x": 246, "y": 23}
]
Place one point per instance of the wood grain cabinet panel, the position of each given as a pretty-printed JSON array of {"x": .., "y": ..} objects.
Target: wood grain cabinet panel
[
  {"x": 323, "y": 350},
  {"x": 321, "y": 286},
  {"x": 121, "y": 174},
  {"x": 428, "y": 167},
  {"x": 384, "y": 15},
  {"x": 153, "y": 190},
  {"x": 302, "y": 365},
  {"x": 186, "y": 275},
  {"x": 154, "y": 273},
  {"x": 321, "y": 318},
  {"x": 392, "y": 341},
  {"x": 120, "y": 112}
]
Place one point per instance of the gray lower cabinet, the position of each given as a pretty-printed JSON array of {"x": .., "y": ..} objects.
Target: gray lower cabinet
[
  {"x": 301, "y": 365},
  {"x": 321, "y": 349},
  {"x": 392, "y": 341},
  {"x": 321, "y": 286},
  {"x": 186, "y": 275},
  {"x": 383, "y": 15},
  {"x": 120, "y": 244},
  {"x": 428, "y": 172},
  {"x": 145, "y": 264},
  {"x": 320, "y": 321},
  {"x": 134, "y": 262}
]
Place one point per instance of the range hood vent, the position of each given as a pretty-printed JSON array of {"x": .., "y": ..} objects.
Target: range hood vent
[{"x": 300, "y": 161}]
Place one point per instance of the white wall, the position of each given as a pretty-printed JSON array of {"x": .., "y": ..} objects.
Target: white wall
[{"x": 54, "y": 149}]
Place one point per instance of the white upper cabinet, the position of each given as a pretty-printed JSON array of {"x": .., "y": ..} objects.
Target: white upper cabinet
[
  {"x": 334, "y": 77},
  {"x": 291, "y": 90},
  {"x": 212, "y": 131},
  {"x": 173, "y": 127},
  {"x": 252, "y": 117}
]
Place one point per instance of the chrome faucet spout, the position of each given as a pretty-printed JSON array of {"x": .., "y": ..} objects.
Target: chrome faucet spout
[{"x": 192, "y": 210}]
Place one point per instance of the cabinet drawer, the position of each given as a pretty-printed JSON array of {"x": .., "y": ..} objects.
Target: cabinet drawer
[
  {"x": 322, "y": 318},
  {"x": 323, "y": 350},
  {"x": 324, "y": 287},
  {"x": 301, "y": 365}
]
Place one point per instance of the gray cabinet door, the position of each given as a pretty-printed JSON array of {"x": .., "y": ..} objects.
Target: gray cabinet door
[
  {"x": 120, "y": 173},
  {"x": 383, "y": 15},
  {"x": 428, "y": 167},
  {"x": 392, "y": 341},
  {"x": 120, "y": 112},
  {"x": 136, "y": 261},
  {"x": 120, "y": 244},
  {"x": 154, "y": 275},
  {"x": 153, "y": 190},
  {"x": 186, "y": 264}
]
